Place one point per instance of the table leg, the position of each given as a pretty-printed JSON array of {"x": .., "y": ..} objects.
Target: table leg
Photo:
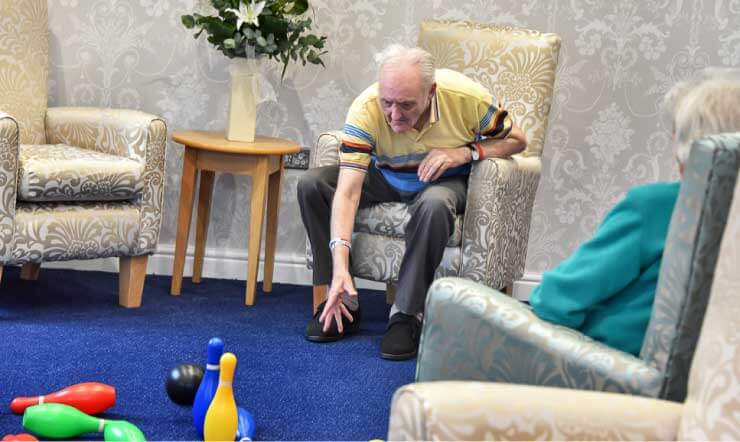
[
  {"x": 273, "y": 209},
  {"x": 201, "y": 224},
  {"x": 187, "y": 194},
  {"x": 256, "y": 219}
]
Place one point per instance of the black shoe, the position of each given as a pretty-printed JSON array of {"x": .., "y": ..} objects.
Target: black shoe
[
  {"x": 401, "y": 338},
  {"x": 314, "y": 329}
]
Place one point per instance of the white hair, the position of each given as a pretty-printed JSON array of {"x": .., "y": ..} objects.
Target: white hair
[
  {"x": 396, "y": 54},
  {"x": 703, "y": 107}
]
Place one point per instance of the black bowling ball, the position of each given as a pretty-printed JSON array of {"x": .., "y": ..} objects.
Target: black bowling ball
[{"x": 182, "y": 383}]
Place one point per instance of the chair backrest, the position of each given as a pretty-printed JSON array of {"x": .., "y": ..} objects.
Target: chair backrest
[
  {"x": 689, "y": 260},
  {"x": 24, "y": 64},
  {"x": 712, "y": 408},
  {"x": 516, "y": 65}
]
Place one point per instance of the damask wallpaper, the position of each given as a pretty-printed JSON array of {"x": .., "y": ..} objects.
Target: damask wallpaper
[{"x": 606, "y": 132}]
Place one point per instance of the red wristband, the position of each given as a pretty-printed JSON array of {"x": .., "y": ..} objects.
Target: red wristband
[{"x": 479, "y": 148}]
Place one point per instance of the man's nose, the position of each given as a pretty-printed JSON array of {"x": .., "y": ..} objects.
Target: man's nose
[{"x": 395, "y": 112}]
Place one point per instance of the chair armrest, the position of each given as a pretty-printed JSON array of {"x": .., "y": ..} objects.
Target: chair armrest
[
  {"x": 472, "y": 332},
  {"x": 326, "y": 152},
  {"x": 501, "y": 194},
  {"x": 489, "y": 411},
  {"x": 9, "y": 147},
  {"x": 128, "y": 133}
]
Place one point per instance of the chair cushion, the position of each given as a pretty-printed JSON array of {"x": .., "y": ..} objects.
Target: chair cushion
[
  {"x": 391, "y": 219},
  {"x": 57, "y": 172}
]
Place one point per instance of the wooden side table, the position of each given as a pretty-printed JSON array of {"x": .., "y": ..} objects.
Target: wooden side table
[{"x": 211, "y": 152}]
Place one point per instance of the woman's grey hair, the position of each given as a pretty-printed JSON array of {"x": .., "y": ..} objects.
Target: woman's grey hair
[
  {"x": 702, "y": 107},
  {"x": 397, "y": 53}
]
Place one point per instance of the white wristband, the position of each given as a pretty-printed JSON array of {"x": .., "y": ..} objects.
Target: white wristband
[{"x": 334, "y": 242}]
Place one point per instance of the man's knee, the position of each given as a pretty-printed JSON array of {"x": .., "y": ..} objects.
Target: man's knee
[{"x": 436, "y": 209}]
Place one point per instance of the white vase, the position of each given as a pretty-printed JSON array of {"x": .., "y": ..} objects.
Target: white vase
[{"x": 242, "y": 118}]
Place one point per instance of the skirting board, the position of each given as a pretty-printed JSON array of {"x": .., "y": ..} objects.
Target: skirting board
[
  {"x": 232, "y": 264},
  {"x": 218, "y": 263}
]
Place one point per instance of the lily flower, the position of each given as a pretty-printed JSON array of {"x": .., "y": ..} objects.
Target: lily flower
[{"x": 248, "y": 13}]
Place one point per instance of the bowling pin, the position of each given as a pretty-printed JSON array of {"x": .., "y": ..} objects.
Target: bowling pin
[
  {"x": 208, "y": 385},
  {"x": 88, "y": 397},
  {"x": 22, "y": 437},
  {"x": 221, "y": 419},
  {"x": 245, "y": 426},
  {"x": 60, "y": 421}
]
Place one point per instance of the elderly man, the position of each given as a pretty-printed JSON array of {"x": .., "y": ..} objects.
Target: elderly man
[{"x": 410, "y": 137}]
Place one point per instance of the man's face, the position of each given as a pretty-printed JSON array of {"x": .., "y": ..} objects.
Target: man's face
[{"x": 402, "y": 97}]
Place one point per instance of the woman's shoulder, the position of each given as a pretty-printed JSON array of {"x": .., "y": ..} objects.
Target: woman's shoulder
[{"x": 653, "y": 195}]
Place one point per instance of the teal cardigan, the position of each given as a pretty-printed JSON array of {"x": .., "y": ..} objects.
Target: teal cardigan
[{"x": 606, "y": 288}]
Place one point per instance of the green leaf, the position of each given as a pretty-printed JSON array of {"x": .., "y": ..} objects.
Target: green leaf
[
  {"x": 188, "y": 21},
  {"x": 229, "y": 43}
]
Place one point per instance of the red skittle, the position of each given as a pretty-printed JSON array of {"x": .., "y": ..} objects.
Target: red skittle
[{"x": 88, "y": 397}]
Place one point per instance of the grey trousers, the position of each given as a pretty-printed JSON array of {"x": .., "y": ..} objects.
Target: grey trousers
[{"x": 433, "y": 211}]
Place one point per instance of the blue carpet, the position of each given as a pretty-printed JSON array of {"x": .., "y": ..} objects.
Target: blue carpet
[{"x": 67, "y": 328}]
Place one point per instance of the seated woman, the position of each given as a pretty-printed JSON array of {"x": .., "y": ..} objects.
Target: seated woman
[{"x": 605, "y": 289}]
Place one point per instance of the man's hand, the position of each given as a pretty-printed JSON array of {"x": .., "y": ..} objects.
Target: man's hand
[
  {"x": 438, "y": 161},
  {"x": 334, "y": 308}
]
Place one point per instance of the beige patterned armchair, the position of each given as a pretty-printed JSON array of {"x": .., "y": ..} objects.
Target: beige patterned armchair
[
  {"x": 75, "y": 183},
  {"x": 490, "y": 239},
  {"x": 491, "y": 411}
]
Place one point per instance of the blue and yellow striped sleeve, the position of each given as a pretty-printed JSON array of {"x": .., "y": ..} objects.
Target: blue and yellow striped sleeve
[
  {"x": 494, "y": 122},
  {"x": 358, "y": 139}
]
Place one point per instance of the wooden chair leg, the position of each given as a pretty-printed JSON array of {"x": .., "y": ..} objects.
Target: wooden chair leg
[
  {"x": 132, "y": 273},
  {"x": 319, "y": 295},
  {"x": 390, "y": 293},
  {"x": 30, "y": 271}
]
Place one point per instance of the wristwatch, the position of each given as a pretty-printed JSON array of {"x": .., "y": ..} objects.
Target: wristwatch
[{"x": 476, "y": 151}]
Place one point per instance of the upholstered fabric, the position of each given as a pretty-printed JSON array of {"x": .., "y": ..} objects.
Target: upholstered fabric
[
  {"x": 494, "y": 411},
  {"x": 518, "y": 66},
  {"x": 119, "y": 132},
  {"x": 471, "y": 332},
  {"x": 24, "y": 56},
  {"x": 712, "y": 409},
  {"x": 9, "y": 133},
  {"x": 490, "y": 411},
  {"x": 78, "y": 158},
  {"x": 86, "y": 230},
  {"x": 391, "y": 219},
  {"x": 689, "y": 260},
  {"x": 58, "y": 172}
]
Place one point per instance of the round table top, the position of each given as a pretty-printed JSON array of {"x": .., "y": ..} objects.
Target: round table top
[{"x": 216, "y": 141}]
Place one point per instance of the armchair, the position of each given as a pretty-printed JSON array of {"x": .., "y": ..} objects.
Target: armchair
[
  {"x": 491, "y": 411},
  {"x": 75, "y": 183},
  {"x": 490, "y": 239},
  {"x": 473, "y": 332}
]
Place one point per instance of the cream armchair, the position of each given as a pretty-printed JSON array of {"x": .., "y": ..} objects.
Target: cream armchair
[
  {"x": 490, "y": 239},
  {"x": 76, "y": 183},
  {"x": 490, "y": 411}
]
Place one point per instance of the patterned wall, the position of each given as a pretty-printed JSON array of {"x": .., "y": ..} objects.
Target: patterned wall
[{"x": 606, "y": 132}]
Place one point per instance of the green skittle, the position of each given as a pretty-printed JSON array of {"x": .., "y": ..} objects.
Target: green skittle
[
  {"x": 59, "y": 421},
  {"x": 121, "y": 431}
]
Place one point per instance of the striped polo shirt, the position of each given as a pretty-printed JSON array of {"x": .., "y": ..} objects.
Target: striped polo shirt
[{"x": 462, "y": 111}]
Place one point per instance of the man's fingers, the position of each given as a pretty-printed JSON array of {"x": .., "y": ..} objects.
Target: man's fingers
[
  {"x": 338, "y": 318},
  {"x": 346, "y": 312}
]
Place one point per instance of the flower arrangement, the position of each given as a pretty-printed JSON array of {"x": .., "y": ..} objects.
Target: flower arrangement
[{"x": 277, "y": 29}]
